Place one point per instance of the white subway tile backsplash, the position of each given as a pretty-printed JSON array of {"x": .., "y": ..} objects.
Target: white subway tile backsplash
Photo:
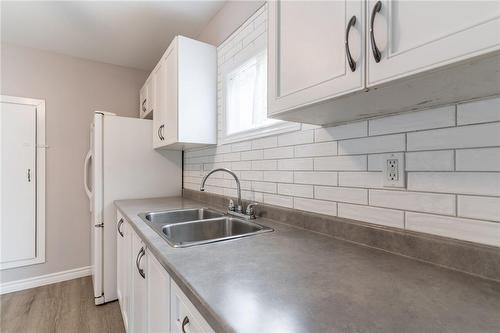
[
  {"x": 264, "y": 187},
  {"x": 414, "y": 201},
  {"x": 242, "y": 165},
  {"x": 361, "y": 179},
  {"x": 382, "y": 216},
  {"x": 479, "y": 111},
  {"x": 459, "y": 228},
  {"x": 268, "y": 142},
  {"x": 471, "y": 136},
  {"x": 451, "y": 170},
  {"x": 482, "y": 159},
  {"x": 347, "y": 131},
  {"x": 439, "y": 160},
  {"x": 296, "y": 164},
  {"x": 480, "y": 183},
  {"x": 315, "y": 206},
  {"x": 296, "y": 190},
  {"x": 316, "y": 177},
  {"x": 341, "y": 194},
  {"x": 316, "y": 149},
  {"x": 241, "y": 146},
  {"x": 264, "y": 165},
  {"x": 296, "y": 138},
  {"x": 375, "y": 144},
  {"x": 282, "y": 152},
  {"x": 278, "y": 200},
  {"x": 278, "y": 176},
  {"x": 231, "y": 157},
  {"x": 427, "y": 119},
  {"x": 341, "y": 163},
  {"x": 475, "y": 207},
  {"x": 252, "y": 175},
  {"x": 252, "y": 155}
]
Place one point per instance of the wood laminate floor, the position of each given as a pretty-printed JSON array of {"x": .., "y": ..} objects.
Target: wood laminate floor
[{"x": 61, "y": 307}]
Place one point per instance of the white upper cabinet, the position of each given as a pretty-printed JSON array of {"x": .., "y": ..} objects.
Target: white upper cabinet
[
  {"x": 147, "y": 99},
  {"x": 185, "y": 94},
  {"x": 416, "y": 36},
  {"x": 309, "y": 59},
  {"x": 419, "y": 54}
]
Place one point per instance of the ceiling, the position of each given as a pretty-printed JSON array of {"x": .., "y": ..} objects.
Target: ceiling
[{"x": 126, "y": 33}]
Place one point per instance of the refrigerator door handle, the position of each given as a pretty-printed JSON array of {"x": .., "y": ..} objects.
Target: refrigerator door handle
[{"x": 85, "y": 174}]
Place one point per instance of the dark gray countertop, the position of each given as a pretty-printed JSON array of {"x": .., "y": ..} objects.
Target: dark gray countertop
[{"x": 293, "y": 280}]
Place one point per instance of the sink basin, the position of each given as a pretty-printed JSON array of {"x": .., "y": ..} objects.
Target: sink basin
[
  {"x": 180, "y": 215},
  {"x": 196, "y": 226},
  {"x": 209, "y": 231}
]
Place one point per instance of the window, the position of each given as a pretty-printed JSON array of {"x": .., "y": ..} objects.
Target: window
[
  {"x": 246, "y": 97},
  {"x": 244, "y": 100}
]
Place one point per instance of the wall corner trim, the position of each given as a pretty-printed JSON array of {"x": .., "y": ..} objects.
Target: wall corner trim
[{"x": 42, "y": 280}]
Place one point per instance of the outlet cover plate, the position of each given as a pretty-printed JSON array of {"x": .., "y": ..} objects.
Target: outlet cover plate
[{"x": 393, "y": 170}]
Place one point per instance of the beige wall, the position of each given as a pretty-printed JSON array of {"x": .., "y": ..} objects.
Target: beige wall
[
  {"x": 227, "y": 20},
  {"x": 72, "y": 88}
]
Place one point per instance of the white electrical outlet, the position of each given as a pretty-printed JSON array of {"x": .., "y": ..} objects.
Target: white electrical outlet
[{"x": 393, "y": 170}]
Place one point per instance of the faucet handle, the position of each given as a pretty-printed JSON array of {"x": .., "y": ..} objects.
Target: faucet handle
[
  {"x": 230, "y": 206},
  {"x": 250, "y": 211}
]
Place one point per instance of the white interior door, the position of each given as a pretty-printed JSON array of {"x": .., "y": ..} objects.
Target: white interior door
[{"x": 17, "y": 182}]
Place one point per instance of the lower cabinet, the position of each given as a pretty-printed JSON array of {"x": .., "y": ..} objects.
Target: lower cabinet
[
  {"x": 139, "y": 284},
  {"x": 184, "y": 317},
  {"x": 149, "y": 300},
  {"x": 158, "y": 296},
  {"x": 124, "y": 268}
]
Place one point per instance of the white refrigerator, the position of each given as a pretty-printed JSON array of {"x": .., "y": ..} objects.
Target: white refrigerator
[{"x": 121, "y": 164}]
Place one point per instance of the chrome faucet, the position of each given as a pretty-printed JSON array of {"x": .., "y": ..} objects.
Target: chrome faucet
[{"x": 232, "y": 210}]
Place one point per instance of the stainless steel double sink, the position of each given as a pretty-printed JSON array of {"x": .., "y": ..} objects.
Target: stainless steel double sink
[{"x": 196, "y": 226}]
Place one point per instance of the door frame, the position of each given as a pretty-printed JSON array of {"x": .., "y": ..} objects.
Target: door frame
[{"x": 41, "y": 147}]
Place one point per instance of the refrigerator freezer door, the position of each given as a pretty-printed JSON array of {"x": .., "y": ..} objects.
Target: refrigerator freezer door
[
  {"x": 131, "y": 169},
  {"x": 96, "y": 222}
]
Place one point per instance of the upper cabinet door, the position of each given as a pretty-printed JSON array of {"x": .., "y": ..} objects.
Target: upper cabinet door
[
  {"x": 170, "y": 97},
  {"x": 159, "y": 76},
  {"x": 415, "y": 36},
  {"x": 308, "y": 54}
]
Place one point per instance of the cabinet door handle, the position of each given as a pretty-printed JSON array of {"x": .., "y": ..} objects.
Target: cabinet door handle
[
  {"x": 29, "y": 175},
  {"x": 161, "y": 132},
  {"x": 158, "y": 132},
  {"x": 376, "y": 52},
  {"x": 352, "y": 63},
  {"x": 118, "y": 227},
  {"x": 143, "y": 105},
  {"x": 185, "y": 321},
  {"x": 141, "y": 254}
]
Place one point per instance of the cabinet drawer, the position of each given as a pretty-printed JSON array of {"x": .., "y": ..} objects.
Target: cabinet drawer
[{"x": 183, "y": 313}]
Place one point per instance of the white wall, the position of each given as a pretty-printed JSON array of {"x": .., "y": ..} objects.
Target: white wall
[
  {"x": 452, "y": 155},
  {"x": 227, "y": 20},
  {"x": 72, "y": 88}
]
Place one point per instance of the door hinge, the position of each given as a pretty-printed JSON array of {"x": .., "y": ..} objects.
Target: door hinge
[{"x": 100, "y": 225}]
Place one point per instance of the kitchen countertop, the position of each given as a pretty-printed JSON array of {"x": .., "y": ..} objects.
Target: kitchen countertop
[{"x": 293, "y": 280}]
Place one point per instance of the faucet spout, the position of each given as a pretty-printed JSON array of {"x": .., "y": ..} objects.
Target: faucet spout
[{"x": 239, "y": 207}]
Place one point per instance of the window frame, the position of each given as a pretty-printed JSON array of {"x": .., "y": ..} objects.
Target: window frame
[{"x": 239, "y": 59}]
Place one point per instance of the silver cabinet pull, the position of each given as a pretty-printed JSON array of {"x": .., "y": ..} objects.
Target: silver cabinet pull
[
  {"x": 119, "y": 225},
  {"x": 161, "y": 132},
  {"x": 141, "y": 254},
  {"x": 352, "y": 63},
  {"x": 29, "y": 175},
  {"x": 185, "y": 321},
  {"x": 376, "y": 52}
]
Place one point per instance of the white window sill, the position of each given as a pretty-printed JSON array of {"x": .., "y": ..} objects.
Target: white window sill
[{"x": 275, "y": 129}]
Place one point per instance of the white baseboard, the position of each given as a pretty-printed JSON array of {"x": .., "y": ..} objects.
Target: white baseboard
[{"x": 37, "y": 281}]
